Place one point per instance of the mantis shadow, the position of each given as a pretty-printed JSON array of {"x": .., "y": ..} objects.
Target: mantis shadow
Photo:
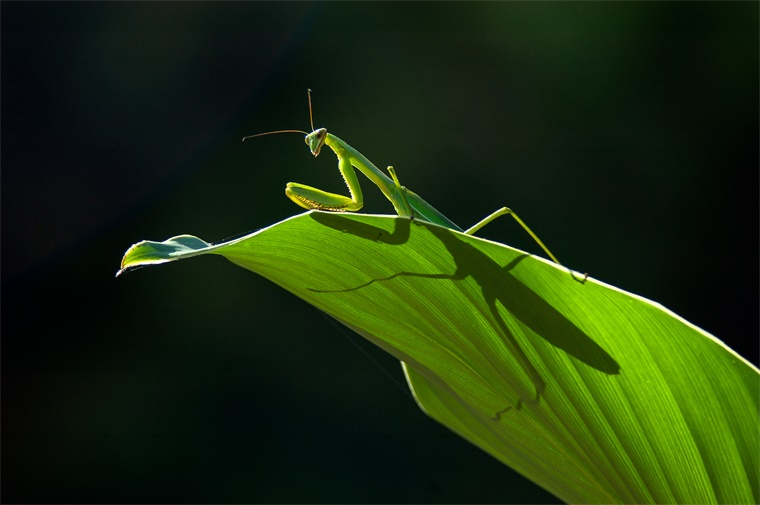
[
  {"x": 497, "y": 284},
  {"x": 344, "y": 223}
]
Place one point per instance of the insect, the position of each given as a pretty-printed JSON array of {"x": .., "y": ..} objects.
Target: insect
[{"x": 406, "y": 202}]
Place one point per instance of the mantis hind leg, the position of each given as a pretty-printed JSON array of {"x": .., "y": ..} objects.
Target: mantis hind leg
[{"x": 507, "y": 211}]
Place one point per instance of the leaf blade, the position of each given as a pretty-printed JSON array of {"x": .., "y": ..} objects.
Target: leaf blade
[{"x": 594, "y": 393}]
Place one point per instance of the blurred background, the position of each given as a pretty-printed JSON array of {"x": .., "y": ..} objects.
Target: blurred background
[{"x": 625, "y": 134}]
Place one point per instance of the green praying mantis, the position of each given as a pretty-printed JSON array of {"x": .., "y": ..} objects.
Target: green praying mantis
[{"x": 406, "y": 202}]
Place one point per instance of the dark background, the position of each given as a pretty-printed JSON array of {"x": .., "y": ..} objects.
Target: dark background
[{"x": 625, "y": 134}]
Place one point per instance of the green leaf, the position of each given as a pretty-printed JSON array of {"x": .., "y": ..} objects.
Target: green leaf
[{"x": 595, "y": 394}]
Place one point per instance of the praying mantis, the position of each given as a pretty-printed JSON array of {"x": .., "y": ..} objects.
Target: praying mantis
[{"x": 406, "y": 202}]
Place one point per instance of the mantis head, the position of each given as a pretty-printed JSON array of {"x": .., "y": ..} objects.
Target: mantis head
[{"x": 315, "y": 140}]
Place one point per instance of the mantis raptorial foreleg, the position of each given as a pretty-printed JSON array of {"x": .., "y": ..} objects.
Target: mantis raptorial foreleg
[{"x": 313, "y": 198}]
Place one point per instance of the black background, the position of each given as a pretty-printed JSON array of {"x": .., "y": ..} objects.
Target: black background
[{"x": 625, "y": 134}]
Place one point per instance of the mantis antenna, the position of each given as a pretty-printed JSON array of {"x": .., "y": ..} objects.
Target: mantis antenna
[
  {"x": 272, "y": 133},
  {"x": 311, "y": 121},
  {"x": 311, "y": 118}
]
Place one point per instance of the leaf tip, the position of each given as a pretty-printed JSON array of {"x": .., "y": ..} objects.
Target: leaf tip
[{"x": 148, "y": 252}]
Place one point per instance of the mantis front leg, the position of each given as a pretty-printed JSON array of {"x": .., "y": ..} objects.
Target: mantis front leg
[{"x": 313, "y": 198}]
